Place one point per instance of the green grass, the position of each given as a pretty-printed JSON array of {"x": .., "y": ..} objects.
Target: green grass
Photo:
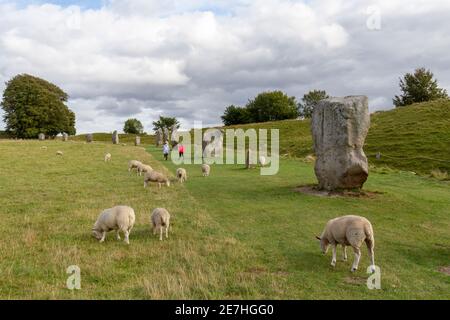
[{"x": 235, "y": 234}]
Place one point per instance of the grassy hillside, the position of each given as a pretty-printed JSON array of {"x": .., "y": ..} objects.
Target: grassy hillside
[
  {"x": 235, "y": 234},
  {"x": 414, "y": 138}
]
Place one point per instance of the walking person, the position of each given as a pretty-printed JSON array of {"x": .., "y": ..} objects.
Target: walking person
[
  {"x": 166, "y": 150},
  {"x": 181, "y": 150}
]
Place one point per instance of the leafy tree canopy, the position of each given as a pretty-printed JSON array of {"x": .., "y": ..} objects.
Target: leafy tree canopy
[
  {"x": 267, "y": 106},
  {"x": 165, "y": 123},
  {"x": 272, "y": 106},
  {"x": 419, "y": 87},
  {"x": 235, "y": 115},
  {"x": 32, "y": 105},
  {"x": 133, "y": 126},
  {"x": 309, "y": 101}
]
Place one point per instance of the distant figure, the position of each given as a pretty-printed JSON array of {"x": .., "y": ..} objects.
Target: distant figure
[
  {"x": 181, "y": 150},
  {"x": 166, "y": 150}
]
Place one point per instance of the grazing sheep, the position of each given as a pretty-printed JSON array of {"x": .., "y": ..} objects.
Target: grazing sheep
[
  {"x": 134, "y": 164},
  {"x": 160, "y": 218},
  {"x": 349, "y": 231},
  {"x": 144, "y": 168},
  {"x": 59, "y": 153},
  {"x": 120, "y": 218},
  {"x": 156, "y": 177},
  {"x": 262, "y": 161},
  {"x": 44, "y": 148},
  {"x": 181, "y": 175},
  {"x": 108, "y": 157},
  {"x": 206, "y": 169}
]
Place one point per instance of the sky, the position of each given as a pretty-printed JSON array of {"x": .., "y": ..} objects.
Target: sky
[{"x": 120, "y": 59}]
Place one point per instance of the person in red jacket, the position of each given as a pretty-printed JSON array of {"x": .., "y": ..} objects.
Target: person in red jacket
[{"x": 181, "y": 150}]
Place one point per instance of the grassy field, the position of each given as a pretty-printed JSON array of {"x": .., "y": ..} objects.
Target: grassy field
[{"x": 235, "y": 234}]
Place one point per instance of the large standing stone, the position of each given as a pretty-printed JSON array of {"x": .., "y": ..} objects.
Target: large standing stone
[
  {"x": 115, "y": 137},
  {"x": 137, "y": 141},
  {"x": 41, "y": 137},
  {"x": 339, "y": 129},
  {"x": 166, "y": 135},
  {"x": 65, "y": 137},
  {"x": 89, "y": 138},
  {"x": 173, "y": 135},
  {"x": 159, "y": 138},
  {"x": 250, "y": 159}
]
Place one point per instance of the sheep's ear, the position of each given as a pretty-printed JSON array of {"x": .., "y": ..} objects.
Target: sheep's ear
[{"x": 318, "y": 238}]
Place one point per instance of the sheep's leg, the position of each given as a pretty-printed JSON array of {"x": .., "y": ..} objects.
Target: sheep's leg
[
  {"x": 127, "y": 235},
  {"x": 103, "y": 237},
  {"x": 370, "y": 246},
  {"x": 167, "y": 230},
  {"x": 159, "y": 184},
  {"x": 345, "y": 252},
  {"x": 118, "y": 234},
  {"x": 333, "y": 261},
  {"x": 357, "y": 257},
  {"x": 160, "y": 233}
]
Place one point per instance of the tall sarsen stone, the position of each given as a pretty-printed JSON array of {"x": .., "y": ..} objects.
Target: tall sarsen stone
[{"x": 339, "y": 129}]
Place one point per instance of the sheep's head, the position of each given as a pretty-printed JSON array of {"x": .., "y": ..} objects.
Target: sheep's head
[
  {"x": 324, "y": 244},
  {"x": 97, "y": 234}
]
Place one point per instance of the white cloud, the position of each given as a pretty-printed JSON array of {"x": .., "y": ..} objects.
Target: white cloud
[{"x": 193, "y": 58}]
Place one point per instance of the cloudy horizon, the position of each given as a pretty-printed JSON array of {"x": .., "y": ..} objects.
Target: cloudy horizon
[{"x": 191, "y": 59}]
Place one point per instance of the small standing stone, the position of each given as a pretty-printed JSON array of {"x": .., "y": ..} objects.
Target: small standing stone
[
  {"x": 115, "y": 138},
  {"x": 137, "y": 141},
  {"x": 89, "y": 138},
  {"x": 41, "y": 137},
  {"x": 65, "y": 137}
]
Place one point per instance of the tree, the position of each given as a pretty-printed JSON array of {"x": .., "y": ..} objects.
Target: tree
[
  {"x": 235, "y": 115},
  {"x": 32, "y": 105},
  {"x": 419, "y": 87},
  {"x": 165, "y": 123},
  {"x": 310, "y": 100},
  {"x": 272, "y": 106},
  {"x": 133, "y": 126}
]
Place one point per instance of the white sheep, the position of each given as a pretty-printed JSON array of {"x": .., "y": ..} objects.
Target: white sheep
[
  {"x": 44, "y": 148},
  {"x": 156, "y": 177},
  {"x": 160, "y": 218},
  {"x": 134, "y": 164},
  {"x": 349, "y": 231},
  {"x": 143, "y": 168},
  {"x": 206, "y": 169},
  {"x": 181, "y": 175},
  {"x": 108, "y": 157},
  {"x": 120, "y": 218},
  {"x": 59, "y": 153}
]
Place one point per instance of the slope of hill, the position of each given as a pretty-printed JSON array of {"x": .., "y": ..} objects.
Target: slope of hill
[{"x": 414, "y": 138}]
